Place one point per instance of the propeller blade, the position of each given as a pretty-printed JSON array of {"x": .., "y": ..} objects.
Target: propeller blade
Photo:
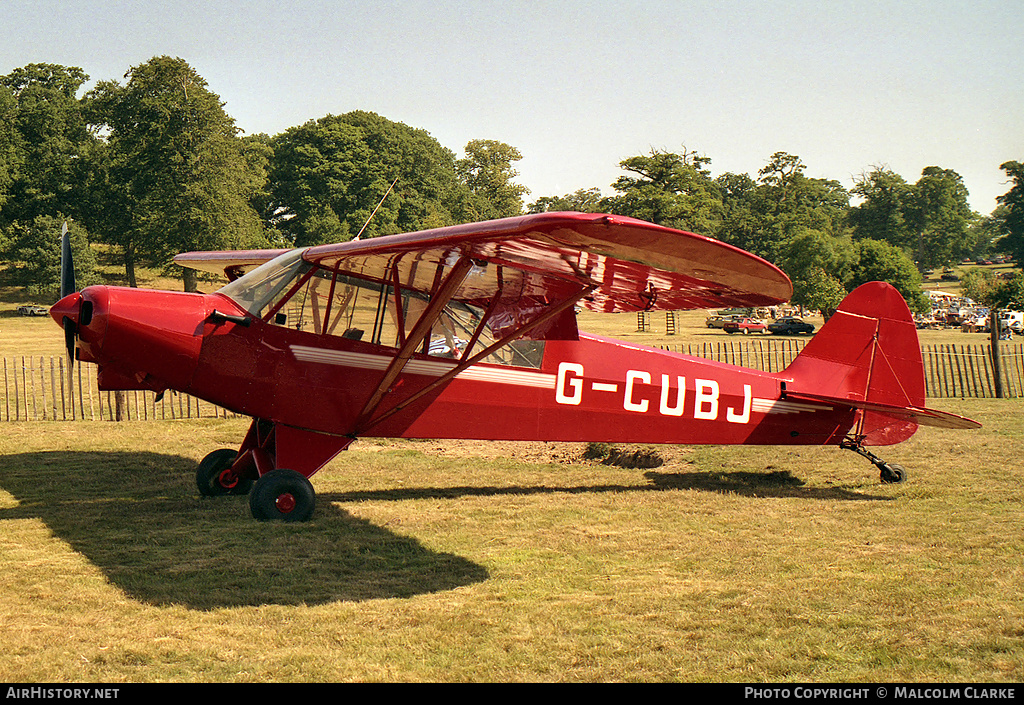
[
  {"x": 67, "y": 264},
  {"x": 70, "y": 336}
]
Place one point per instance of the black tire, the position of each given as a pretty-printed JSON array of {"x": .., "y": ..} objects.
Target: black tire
[
  {"x": 892, "y": 474},
  {"x": 282, "y": 495},
  {"x": 209, "y": 477}
]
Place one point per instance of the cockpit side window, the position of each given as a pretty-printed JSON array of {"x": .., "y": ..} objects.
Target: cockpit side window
[{"x": 292, "y": 293}]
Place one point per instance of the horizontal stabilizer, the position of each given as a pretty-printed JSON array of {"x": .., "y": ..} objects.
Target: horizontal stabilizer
[{"x": 919, "y": 415}]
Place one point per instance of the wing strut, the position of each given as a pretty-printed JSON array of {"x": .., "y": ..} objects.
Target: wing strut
[
  {"x": 430, "y": 314},
  {"x": 364, "y": 424}
]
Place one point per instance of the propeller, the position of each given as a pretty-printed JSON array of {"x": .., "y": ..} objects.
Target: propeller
[{"x": 67, "y": 286}]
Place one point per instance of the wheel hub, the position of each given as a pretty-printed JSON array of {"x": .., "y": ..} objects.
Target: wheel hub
[
  {"x": 228, "y": 480},
  {"x": 285, "y": 502}
]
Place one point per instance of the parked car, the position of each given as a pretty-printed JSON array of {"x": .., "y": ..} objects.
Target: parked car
[
  {"x": 790, "y": 325},
  {"x": 718, "y": 321},
  {"x": 744, "y": 325},
  {"x": 32, "y": 310}
]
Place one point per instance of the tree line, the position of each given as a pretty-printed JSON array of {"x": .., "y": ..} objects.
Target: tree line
[
  {"x": 826, "y": 238},
  {"x": 153, "y": 166}
]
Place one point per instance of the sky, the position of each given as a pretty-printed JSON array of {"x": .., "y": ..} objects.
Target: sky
[{"x": 576, "y": 87}]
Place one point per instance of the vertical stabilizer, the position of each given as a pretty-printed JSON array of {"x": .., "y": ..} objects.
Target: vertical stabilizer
[{"x": 866, "y": 354}]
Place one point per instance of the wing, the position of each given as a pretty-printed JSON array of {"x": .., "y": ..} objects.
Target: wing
[
  {"x": 519, "y": 278},
  {"x": 626, "y": 264},
  {"x": 232, "y": 263}
]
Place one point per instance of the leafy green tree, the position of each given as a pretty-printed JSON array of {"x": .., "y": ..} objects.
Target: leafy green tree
[
  {"x": 984, "y": 287},
  {"x": 33, "y": 251},
  {"x": 988, "y": 233},
  {"x": 880, "y": 261},
  {"x": 819, "y": 290},
  {"x": 740, "y": 224},
  {"x": 580, "y": 201},
  {"x": 675, "y": 190},
  {"x": 818, "y": 264},
  {"x": 1010, "y": 213},
  {"x": 787, "y": 202},
  {"x": 487, "y": 171},
  {"x": 176, "y": 176},
  {"x": 10, "y": 162},
  {"x": 41, "y": 142},
  {"x": 940, "y": 218},
  {"x": 762, "y": 216},
  {"x": 931, "y": 217},
  {"x": 882, "y": 215},
  {"x": 327, "y": 176}
]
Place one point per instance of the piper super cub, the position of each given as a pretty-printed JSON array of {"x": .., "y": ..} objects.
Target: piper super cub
[{"x": 470, "y": 332}]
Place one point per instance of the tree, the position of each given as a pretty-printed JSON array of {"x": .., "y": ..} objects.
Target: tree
[
  {"x": 818, "y": 290},
  {"x": 487, "y": 172},
  {"x": 940, "y": 218},
  {"x": 176, "y": 176},
  {"x": 10, "y": 162},
  {"x": 1010, "y": 212},
  {"x": 881, "y": 261},
  {"x": 327, "y": 176},
  {"x": 787, "y": 202},
  {"x": 580, "y": 201},
  {"x": 43, "y": 137},
  {"x": 670, "y": 189},
  {"x": 883, "y": 213},
  {"x": 762, "y": 216},
  {"x": 930, "y": 218},
  {"x": 818, "y": 264},
  {"x": 983, "y": 286},
  {"x": 33, "y": 250}
]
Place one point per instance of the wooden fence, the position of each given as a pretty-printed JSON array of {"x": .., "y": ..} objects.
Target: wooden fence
[
  {"x": 950, "y": 371},
  {"x": 37, "y": 388},
  {"x": 40, "y": 388}
]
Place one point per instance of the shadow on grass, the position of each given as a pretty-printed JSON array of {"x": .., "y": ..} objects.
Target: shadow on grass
[
  {"x": 749, "y": 484},
  {"x": 777, "y": 483},
  {"x": 139, "y": 518}
]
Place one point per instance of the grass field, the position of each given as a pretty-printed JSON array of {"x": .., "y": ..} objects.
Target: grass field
[
  {"x": 505, "y": 562},
  {"x": 429, "y": 561}
]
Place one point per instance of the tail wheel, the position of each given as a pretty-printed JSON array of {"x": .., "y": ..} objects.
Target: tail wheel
[
  {"x": 214, "y": 476},
  {"x": 282, "y": 495},
  {"x": 892, "y": 473}
]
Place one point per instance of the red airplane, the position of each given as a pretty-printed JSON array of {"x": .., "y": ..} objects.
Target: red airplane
[{"x": 470, "y": 332}]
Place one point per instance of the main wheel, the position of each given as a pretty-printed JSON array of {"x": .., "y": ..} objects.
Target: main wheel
[
  {"x": 213, "y": 478},
  {"x": 282, "y": 495}
]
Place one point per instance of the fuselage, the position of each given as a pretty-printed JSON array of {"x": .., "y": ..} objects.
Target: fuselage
[{"x": 587, "y": 389}]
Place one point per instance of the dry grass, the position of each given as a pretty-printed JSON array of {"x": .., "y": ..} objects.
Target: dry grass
[
  {"x": 433, "y": 561},
  {"x": 430, "y": 561}
]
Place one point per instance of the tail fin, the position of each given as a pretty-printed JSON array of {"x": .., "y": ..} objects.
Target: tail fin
[{"x": 867, "y": 356}]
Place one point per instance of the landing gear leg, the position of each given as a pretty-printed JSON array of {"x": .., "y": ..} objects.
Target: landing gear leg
[{"x": 888, "y": 473}]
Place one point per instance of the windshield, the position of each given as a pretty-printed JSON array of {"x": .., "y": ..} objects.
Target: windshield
[{"x": 267, "y": 282}]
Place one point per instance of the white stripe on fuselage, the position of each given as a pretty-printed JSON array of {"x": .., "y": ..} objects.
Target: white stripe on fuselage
[
  {"x": 429, "y": 368},
  {"x": 513, "y": 376}
]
